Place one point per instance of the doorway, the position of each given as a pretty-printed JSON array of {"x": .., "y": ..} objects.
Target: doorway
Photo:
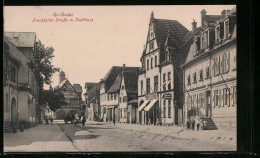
[
  {"x": 208, "y": 104},
  {"x": 14, "y": 113}
]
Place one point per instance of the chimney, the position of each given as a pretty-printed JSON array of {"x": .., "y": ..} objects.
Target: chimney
[
  {"x": 203, "y": 17},
  {"x": 123, "y": 67},
  {"x": 62, "y": 76},
  {"x": 224, "y": 13},
  {"x": 152, "y": 15},
  {"x": 194, "y": 25}
]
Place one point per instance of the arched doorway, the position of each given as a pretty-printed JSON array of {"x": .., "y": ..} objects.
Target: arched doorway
[
  {"x": 14, "y": 113},
  {"x": 60, "y": 115}
]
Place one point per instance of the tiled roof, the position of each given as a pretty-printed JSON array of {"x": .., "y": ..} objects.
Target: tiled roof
[
  {"x": 21, "y": 39},
  {"x": 162, "y": 26},
  {"x": 89, "y": 85},
  {"x": 77, "y": 88},
  {"x": 113, "y": 73},
  {"x": 212, "y": 18},
  {"x": 131, "y": 82},
  {"x": 116, "y": 85},
  {"x": 93, "y": 91}
]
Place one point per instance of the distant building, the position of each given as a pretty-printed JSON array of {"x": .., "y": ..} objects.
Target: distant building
[
  {"x": 109, "y": 108},
  {"x": 128, "y": 93},
  {"x": 19, "y": 81},
  {"x": 92, "y": 100},
  {"x": 210, "y": 74},
  {"x": 72, "y": 94},
  {"x": 160, "y": 93}
]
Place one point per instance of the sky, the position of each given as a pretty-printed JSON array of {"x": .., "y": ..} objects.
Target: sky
[{"x": 86, "y": 50}]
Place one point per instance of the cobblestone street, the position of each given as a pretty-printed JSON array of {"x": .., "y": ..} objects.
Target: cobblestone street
[{"x": 99, "y": 136}]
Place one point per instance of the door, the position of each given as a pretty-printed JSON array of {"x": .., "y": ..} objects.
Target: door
[
  {"x": 208, "y": 104},
  {"x": 14, "y": 114}
]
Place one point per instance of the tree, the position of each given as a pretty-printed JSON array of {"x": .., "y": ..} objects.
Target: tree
[{"x": 54, "y": 98}]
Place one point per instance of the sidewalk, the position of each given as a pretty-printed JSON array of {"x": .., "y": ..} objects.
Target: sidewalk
[
  {"x": 216, "y": 136},
  {"x": 41, "y": 138}
]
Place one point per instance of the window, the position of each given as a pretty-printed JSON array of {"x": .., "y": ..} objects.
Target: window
[
  {"x": 143, "y": 65},
  {"x": 226, "y": 96},
  {"x": 207, "y": 72},
  {"x": 111, "y": 95},
  {"x": 125, "y": 113},
  {"x": 107, "y": 97},
  {"x": 226, "y": 62},
  {"x": 216, "y": 98},
  {"x": 151, "y": 44},
  {"x": 194, "y": 77},
  {"x": 115, "y": 96},
  {"x": 148, "y": 85},
  {"x": 105, "y": 110},
  {"x": 164, "y": 82},
  {"x": 167, "y": 56},
  {"x": 169, "y": 108},
  {"x": 202, "y": 42},
  {"x": 151, "y": 63},
  {"x": 155, "y": 60},
  {"x": 123, "y": 87},
  {"x": 201, "y": 75},
  {"x": 216, "y": 65},
  {"x": 147, "y": 64},
  {"x": 121, "y": 113},
  {"x": 234, "y": 95},
  {"x": 142, "y": 84},
  {"x": 155, "y": 83},
  {"x": 86, "y": 100},
  {"x": 13, "y": 73},
  {"x": 198, "y": 44},
  {"x": 188, "y": 79},
  {"x": 169, "y": 80},
  {"x": 164, "y": 108},
  {"x": 206, "y": 39},
  {"x": 119, "y": 99},
  {"x": 227, "y": 29},
  {"x": 124, "y": 99},
  {"x": 217, "y": 34}
]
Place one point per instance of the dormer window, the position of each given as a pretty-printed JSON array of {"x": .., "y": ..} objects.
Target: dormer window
[
  {"x": 202, "y": 42},
  {"x": 227, "y": 29},
  {"x": 217, "y": 34},
  {"x": 206, "y": 39},
  {"x": 198, "y": 44}
]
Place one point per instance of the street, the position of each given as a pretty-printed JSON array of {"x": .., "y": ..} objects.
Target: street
[{"x": 105, "y": 137}]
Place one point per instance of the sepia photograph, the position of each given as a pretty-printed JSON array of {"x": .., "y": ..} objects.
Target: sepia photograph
[{"x": 126, "y": 78}]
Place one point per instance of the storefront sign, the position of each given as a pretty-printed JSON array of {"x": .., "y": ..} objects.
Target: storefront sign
[{"x": 151, "y": 96}]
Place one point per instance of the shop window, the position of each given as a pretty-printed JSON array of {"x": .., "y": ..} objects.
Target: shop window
[
  {"x": 226, "y": 98},
  {"x": 121, "y": 116},
  {"x": 216, "y": 98},
  {"x": 169, "y": 108}
]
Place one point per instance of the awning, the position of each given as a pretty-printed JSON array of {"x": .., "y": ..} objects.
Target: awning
[
  {"x": 150, "y": 105},
  {"x": 143, "y": 105}
]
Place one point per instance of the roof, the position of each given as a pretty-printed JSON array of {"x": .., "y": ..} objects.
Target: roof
[
  {"x": 93, "y": 91},
  {"x": 233, "y": 11},
  {"x": 89, "y": 85},
  {"x": 176, "y": 30},
  {"x": 113, "y": 73},
  {"x": 116, "y": 85},
  {"x": 77, "y": 88},
  {"x": 21, "y": 39},
  {"x": 212, "y": 18},
  {"x": 131, "y": 82}
]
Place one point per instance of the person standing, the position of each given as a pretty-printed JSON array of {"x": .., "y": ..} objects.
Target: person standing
[
  {"x": 83, "y": 120},
  {"x": 51, "y": 119}
]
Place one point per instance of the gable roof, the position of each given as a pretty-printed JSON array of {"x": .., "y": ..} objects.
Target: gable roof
[
  {"x": 131, "y": 82},
  {"x": 116, "y": 85},
  {"x": 113, "y": 73},
  {"x": 77, "y": 88},
  {"x": 93, "y": 91},
  {"x": 176, "y": 30},
  {"x": 21, "y": 39},
  {"x": 89, "y": 85}
]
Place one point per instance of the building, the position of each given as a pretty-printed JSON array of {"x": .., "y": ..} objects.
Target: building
[
  {"x": 19, "y": 80},
  {"x": 160, "y": 94},
  {"x": 128, "y": 97},
  {"x": 93, "y": 102},
  {"x": 105, "y": 97},
  {"x": 210, "y": 74},
  {"x": 88, "y": 86},
  {"x": 72, "y": 94}
]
